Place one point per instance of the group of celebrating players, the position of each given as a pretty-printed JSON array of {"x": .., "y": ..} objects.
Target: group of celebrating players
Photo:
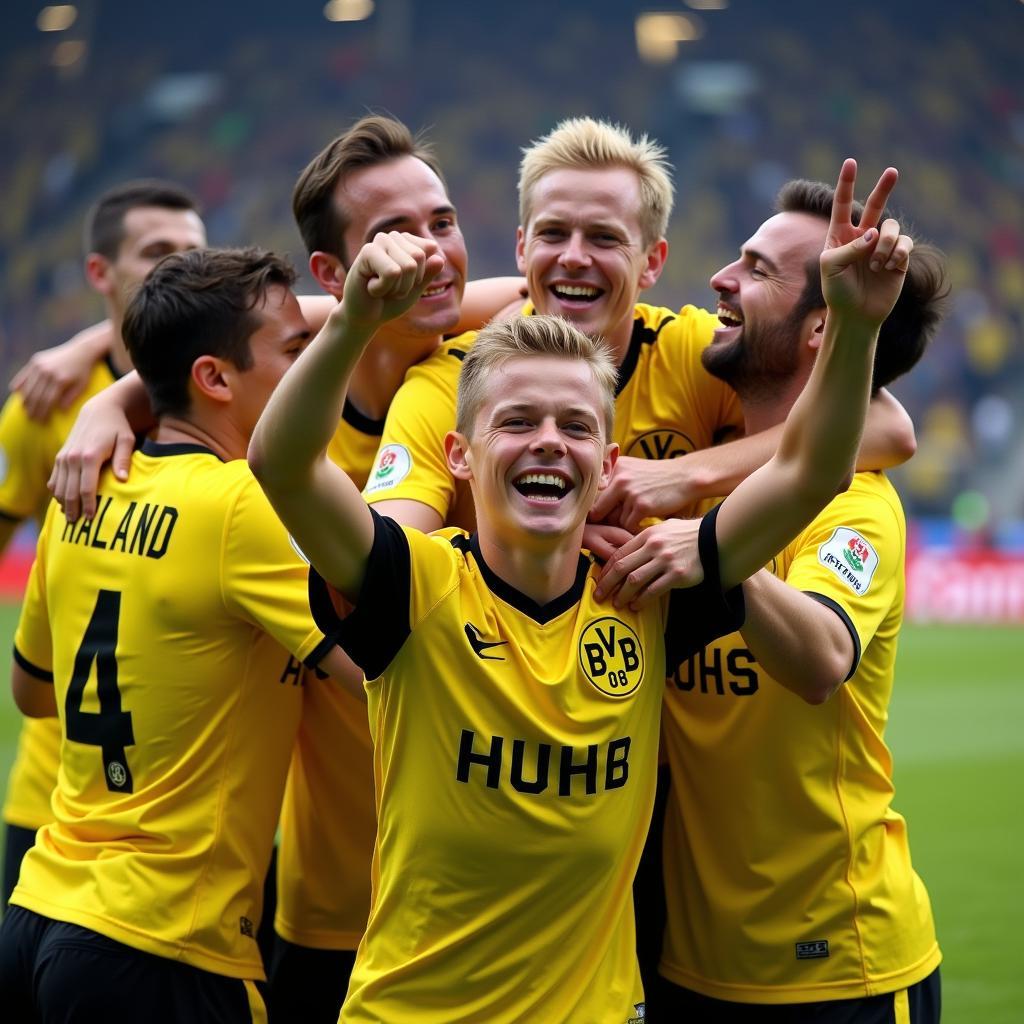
[{"x": 454, "y": 604}]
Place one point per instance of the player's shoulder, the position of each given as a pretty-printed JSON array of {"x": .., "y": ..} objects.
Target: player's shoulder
[
  {"x": 870, "y": 494},
  {"x": 197, "y": 473},
  {"x": 689, "y": 323},
  {"x": 446, "y": 359}
]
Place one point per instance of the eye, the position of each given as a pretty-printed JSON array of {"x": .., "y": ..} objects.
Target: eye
[
  {"x": 444, "y": 224},
  {"x": 578, "y": 427},
  {"x": 758, "y": 272},
  {"x": 551, "y": 234},
  {"x": 516, "y": 423}
]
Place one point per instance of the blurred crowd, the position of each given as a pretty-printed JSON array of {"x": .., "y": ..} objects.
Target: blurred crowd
[{"x": 750, "y": 104}]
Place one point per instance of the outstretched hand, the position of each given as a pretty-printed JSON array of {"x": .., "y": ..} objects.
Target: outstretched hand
[
  {"x": 863, "y": 265},
  {"x": 388, "y": 278}
]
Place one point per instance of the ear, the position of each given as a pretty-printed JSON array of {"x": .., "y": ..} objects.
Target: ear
[
  {"x": 329, "y": 272},
  {"x": 457, "y": 451},
  {"x": 521, "y": 250},
  {"x": 656, "y": 256},
  {"x": 98, "y": 273},
  {"x": 211, "y": 377},
  {"x": 611, "y": 456},
  {"x": 813, "y": 329}
]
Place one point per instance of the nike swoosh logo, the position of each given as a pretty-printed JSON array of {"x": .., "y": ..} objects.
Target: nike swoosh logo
[{"x": 480, "y": 645}]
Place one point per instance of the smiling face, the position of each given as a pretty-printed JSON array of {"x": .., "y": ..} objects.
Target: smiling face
[
  {"x": 764, "y": 332},
  {"x": 583, "y": 252},
  {"x": 149, "y": 234},
  {"x": 537, "y": 454},
  {"x": 404, "y": 194}
]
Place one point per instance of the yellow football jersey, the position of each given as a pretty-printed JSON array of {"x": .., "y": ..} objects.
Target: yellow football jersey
[
  {"x": 328, "y": 818},
  {"x": 168, "y": 624},
  {"x": 355, "y": 443},
  {"x": 27, "y": 453},
  {"x": 787, "y": 872},
  {"x": 515, "y": 749},
  {"x": 666, "y": 405}
]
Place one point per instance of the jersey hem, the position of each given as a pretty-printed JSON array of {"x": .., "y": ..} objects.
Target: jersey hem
[
  {"x": 334, "y": 941},
  {"x": 15, "y": 816},
  {"x": 128, "y": 936},
  {"x": 776, "y": 994}
]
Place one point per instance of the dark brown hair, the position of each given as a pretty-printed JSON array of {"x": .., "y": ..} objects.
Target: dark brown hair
[
  {"x": 372, "y": 140},
  {"x": 920, "y": 308},
  {"x": 104, "y": 225},
  {"x": 195, "y": 303}
]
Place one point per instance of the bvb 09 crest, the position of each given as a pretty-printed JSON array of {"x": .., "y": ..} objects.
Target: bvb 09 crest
[{"x": 611, "y": 656}]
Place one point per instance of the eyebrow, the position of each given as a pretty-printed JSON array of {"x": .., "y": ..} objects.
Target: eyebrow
[
  {"x": 391, "y": 223},
  {"x": 759, "y": 257}
]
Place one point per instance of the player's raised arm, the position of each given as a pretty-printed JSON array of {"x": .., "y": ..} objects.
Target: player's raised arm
[
  {"x": 318, "y": 503},
  {"x": 862, "y": 272}
]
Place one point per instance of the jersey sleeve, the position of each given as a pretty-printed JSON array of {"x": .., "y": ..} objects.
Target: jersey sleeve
[
  {"x": 26, "y": 457},
  {"x": 851, "y": 560},
  {"x": 33, "y": 640},
  {"x": 263, "y": 576},
  {"x": 697, "y": 615},
  {"x": 713, "y": 402},
  {"x": 406, "y": 574},
  {"x": 411, "y": 462}
]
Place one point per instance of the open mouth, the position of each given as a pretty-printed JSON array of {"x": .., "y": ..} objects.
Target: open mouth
[
  {"x": 542, "y": 486},
  {"x": 729, "y": 317},
  {"x": 435, "y": 290},
  {"x": 581, "y": 293}
]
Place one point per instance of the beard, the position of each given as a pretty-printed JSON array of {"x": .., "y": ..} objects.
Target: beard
[{"x": 759, "y": 360}]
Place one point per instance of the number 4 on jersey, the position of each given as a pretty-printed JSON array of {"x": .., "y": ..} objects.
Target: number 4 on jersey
[{"x": 110, "y": 728}]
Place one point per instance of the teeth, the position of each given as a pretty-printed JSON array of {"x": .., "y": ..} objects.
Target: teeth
[
  {"x": 581, "y": 291},
  {"x": 436, "y": 290},
  {"x": 728, "y": 316},
  {"x": 542, "y": 478}
]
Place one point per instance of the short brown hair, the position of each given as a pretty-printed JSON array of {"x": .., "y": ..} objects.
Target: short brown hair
[
  {"x": 370, "y": 141},
  {"x": 919, "y": 310},
  {"x": 582, "y": 143},
  {"x": 525, "y": 336},
  {"x": 195, "y": 303},
  {"x": 104, "y": 225}
]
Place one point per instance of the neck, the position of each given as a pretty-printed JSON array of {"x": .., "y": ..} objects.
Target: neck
[
  {"x": 118, "y": 353},
  {"x": 764, "y": 410},
  {"x": 382, "y": 368},
  {"x": 619, "y": 340},
  {"x": 222, "y": 437},
  {"x": 541, "y": 571}
]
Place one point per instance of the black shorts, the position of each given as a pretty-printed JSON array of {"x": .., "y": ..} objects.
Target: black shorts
[
  {"x": 17, "y": 842},
  {"x": 918, "y": 1004},
  {"x": 649, "y": 892},
  {"x": 307, "y": 986},
  {"x": 57, "y": 973}
]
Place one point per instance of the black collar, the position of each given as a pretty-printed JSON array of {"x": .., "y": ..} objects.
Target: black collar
[
  {"x": 539, "y": 613},
  {"x": 160, "y": 451}
]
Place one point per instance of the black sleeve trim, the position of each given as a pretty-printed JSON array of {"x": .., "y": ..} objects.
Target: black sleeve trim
[
  {"x": 698, "y": 615},
  {"x": 9, "y": 517},
  {"x": 377, "y": 627},
  {"x": 847, "y": 622},
  {"x": 319, "y": 652},
  {"x": 33, "y": 670}
]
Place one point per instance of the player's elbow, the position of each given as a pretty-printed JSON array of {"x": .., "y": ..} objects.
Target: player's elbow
[{"x": 820, "y": 684}]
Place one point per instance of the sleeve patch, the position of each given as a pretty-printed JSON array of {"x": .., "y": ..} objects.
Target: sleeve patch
[
  {"x": 851, "y": 558},
  {"x": 390, "y": 468}
]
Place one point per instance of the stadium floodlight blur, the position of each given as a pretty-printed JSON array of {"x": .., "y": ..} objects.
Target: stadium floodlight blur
[
  {"x": 348, "y": 10},
  {"x": 57, "y": 17},
  {"x": 658, "y": 35}
]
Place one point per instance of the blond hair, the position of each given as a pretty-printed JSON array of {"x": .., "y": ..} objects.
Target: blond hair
[
  {"x": 582, "y": 143},
  {"x": 531, "y": 336}
]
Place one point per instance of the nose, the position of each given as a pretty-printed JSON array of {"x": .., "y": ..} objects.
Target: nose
[
  {"x": 547, "y": 438},
  {"x": 725, "y": 279},
  {"x": 574, "y": 256}
]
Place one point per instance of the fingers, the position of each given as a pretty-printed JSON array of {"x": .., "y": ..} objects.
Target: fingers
[
  {"x": 893, "y": 249},
  {"x": 120, "y": 463},
  {"x": 604, "y": 540},
  {"x": 875, "y": 204},
  {"x": 618, "y": 567},
  {"x": 836, "y": 259},
  {"x": 842, "y": 200},
  {"x": 398, "y": 263}
]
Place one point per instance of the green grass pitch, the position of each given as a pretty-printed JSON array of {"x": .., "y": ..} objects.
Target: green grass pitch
[{"x": 957, "y": 732}]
